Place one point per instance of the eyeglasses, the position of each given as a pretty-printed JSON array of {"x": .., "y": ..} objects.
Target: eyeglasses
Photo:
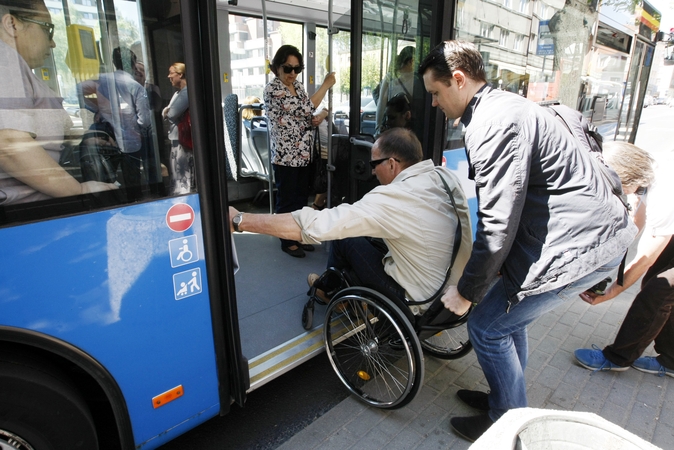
[
  {"x": 47, "y": 26},
  {"x": 288, "y": 69},
  {"x": 641, "y": 190},
  {"x": 376, "y": 162}
]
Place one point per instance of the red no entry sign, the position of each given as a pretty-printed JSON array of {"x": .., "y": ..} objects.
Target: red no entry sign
[{"x": 180, "y": 217}]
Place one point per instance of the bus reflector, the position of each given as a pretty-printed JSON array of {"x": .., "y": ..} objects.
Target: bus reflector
[{"x": 168, "y": 396}]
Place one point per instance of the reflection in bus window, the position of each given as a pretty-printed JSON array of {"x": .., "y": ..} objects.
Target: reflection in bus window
[
  {"x": 80, "y": 113},
  {"x": 33, "y": 122}
]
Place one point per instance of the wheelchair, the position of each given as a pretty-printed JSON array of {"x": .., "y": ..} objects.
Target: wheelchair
[{"x": 375, "y": 343}]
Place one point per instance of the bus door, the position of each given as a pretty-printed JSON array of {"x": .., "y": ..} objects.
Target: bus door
[{"x": 270, "y": 285}]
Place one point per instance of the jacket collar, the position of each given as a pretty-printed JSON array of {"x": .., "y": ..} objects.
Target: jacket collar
[{"x": 468, "y": 113}]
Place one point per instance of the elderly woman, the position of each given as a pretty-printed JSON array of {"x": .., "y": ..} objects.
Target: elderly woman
[
  {"x": 290, "y": 111},
  {"x": 183, "y": 180}
]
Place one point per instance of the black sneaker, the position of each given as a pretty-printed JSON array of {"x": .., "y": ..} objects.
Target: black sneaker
[
  {"x": 471, "y": 428},
  {"x": 474, "y": 399}
]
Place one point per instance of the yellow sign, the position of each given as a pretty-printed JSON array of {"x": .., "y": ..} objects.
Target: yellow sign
[
  {"x": 45, "y": 74},
  {"x": 225, "y": 77}
]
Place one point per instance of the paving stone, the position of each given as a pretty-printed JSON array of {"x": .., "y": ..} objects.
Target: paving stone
[
  {"x": 550, "y": 377},
  {"x": 565, "y": 396},
  {"x": 425, "y": 396},
  {"x": 663, "y": 436},
  {"x": 404, "y": 440},
  {"x": 560, "y": 331},
  {"x": 570, "y": 318},
  {"x": 614, "y": 413},
  {"x": 426, "y": 422},
  {"x": 642, "y": 421},
  {"x": 361, "y": 424}
]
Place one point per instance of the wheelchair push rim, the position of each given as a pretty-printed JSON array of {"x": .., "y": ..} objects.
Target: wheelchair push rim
[{"x": 373, "y": 348}]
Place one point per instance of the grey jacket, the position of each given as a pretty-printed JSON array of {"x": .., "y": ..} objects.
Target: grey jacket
[{"x": 546, "y": 217}]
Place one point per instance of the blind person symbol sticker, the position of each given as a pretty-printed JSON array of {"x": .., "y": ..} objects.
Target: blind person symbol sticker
[{"x": 180, "y": 217}]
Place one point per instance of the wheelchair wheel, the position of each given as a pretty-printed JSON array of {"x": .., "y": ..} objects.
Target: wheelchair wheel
[
  {"x": 452, "y": 343},
  {"x": 373, "y": 348}
]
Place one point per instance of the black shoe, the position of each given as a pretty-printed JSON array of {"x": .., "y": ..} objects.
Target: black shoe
[
  {"x": 471, "y": 428},
  {"x": 297, "y": 253},
  {"x": 307, "y": 247},
  {"x": 474, "y": 399}
]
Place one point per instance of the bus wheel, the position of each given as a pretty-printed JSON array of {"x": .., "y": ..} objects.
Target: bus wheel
[{"x": 40, "y": 409}]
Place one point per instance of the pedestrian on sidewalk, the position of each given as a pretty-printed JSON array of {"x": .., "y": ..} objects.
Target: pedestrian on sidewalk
[
  {"x": 649, "y": 318},
  {"x": 549, "y": 226}
]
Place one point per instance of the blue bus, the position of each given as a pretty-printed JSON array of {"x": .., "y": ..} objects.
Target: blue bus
[{"x": 128, "y": 312}]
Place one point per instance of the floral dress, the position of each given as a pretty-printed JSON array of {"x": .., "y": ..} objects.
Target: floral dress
[{"x": 290, "y": 124}]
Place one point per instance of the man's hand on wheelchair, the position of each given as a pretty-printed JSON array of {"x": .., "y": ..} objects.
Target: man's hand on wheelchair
[{"x": 455, "y": 302}]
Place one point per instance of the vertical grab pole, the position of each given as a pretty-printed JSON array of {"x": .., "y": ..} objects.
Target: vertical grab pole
[
  {"x": 267, "y": 56},
  {"x": 331, "y": 167}
]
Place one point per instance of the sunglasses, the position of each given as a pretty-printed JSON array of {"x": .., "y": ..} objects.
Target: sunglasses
[
  {"x": 46, "y": 26},
  {"x": 288, "y": 69},
  {"x": 641, "y": 190},
  {"x": 376, "y": 162}
]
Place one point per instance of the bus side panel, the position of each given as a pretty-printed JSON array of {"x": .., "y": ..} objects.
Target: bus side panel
[{"x": 105, "y": 282}]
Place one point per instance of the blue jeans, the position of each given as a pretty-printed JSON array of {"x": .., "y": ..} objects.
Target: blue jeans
[{"x": 500, "y": 338}]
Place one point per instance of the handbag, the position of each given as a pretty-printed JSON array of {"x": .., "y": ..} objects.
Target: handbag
[{"x": 185, "y": 131}]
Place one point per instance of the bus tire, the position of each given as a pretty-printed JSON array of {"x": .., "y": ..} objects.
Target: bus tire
[{"x": 40, "y": 407}]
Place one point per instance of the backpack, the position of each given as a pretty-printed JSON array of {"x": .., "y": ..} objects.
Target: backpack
[
  {"x": 590, "y": 140},
  {"x": 98, "y": 152}
]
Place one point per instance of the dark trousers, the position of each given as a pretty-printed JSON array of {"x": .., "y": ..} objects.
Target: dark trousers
[
  {"x": 292, "y": 191},
  {"x": 131, "y": 173},
  {"x": 649, "y": 318},
  {"x": 362, "y": 258}
]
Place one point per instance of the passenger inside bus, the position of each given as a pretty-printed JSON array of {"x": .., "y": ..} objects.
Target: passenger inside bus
[
  {"x": 183, "y": 179},
  {"x": 398, "y": 113},
  {"x": 415, "y": 253},
  {"x": 33, "y": 122},
  {"x": 248, "y": 114},
  {"x": 290, "y": 110},
  {"x": 401, "y": 80}
]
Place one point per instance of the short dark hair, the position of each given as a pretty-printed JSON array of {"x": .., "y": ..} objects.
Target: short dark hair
[
  {"x": 399, "y": 103},
  {"x": 124, "y": 59},
  {"x": 449, "y": 56},
  {"x": 400, "y": 143},
  {"x": 282, "y": 55}
]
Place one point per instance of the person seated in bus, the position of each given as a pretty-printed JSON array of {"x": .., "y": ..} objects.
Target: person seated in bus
[
  {"x": 118, "y": 99},
  {"x": 398, "y": 113},
  {"x": 33, "y": 122},
  {"x": 410, "y": 211},
  {"x": 248, "y": 113}
]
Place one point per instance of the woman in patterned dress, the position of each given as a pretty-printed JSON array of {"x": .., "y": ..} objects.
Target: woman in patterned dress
[{"x": 290, "y": 111}]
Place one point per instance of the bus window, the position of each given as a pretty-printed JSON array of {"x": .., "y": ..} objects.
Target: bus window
[
  {"x": 247, "y": 52},
  {"x": 394, "y": 41},
  {"x": 84, "y": 117}
]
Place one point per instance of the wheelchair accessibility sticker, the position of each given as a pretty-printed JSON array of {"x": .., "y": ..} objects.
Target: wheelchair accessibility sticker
[
  {"x": 183, "y": 250},
  {"x": 187, "y": 284}
]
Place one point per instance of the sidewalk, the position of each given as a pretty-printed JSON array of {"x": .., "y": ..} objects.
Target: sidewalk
[{"x": 639, "y": 402}]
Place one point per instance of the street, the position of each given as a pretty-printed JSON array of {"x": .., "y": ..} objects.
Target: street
[{"x": 655, "y": 130}]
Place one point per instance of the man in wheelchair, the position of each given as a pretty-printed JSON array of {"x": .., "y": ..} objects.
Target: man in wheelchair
[{"x": 411, "y": 212}]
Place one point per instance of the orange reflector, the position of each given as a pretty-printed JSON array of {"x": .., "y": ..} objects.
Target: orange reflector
[
  {"x": 363, "y": 375},
  {"x": 168, "y": 396}
]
